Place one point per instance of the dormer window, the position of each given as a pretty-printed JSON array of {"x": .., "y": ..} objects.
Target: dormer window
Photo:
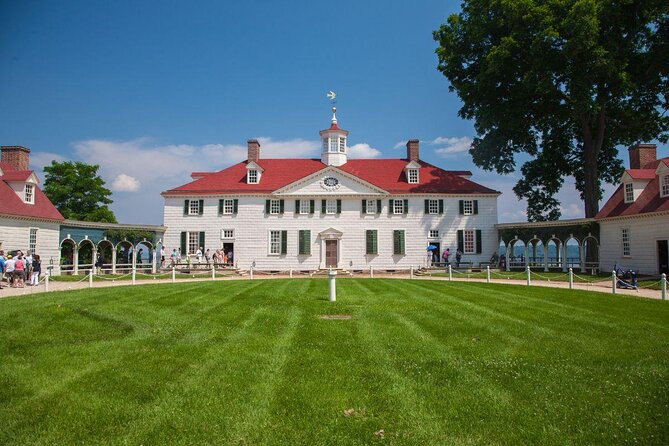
[
  {"x": 664, "y": 186},
  {"x": 629, "y": 193},
  {"x": 412, "y": 175},
  {"x": 29, "y": 194},
  {"x": 252, "y": 176}
]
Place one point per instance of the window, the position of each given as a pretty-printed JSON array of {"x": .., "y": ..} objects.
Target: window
[
  {"x": 278, "y": 242},
  {"x": 325, "y": 144},
  {"x": 434, "y": 233},
  {"x": 29, "y": 195},
  {"x": 32, "y": 245},
  {"x": 627, "y": 247},
  {"x": 274, "y": 206},
  {"x": 305, "y": 206},
  {"x": 253, "y": 177},
  {"x": 398, "y": 242},
  {"x": 370, "y": 207},
  {"x": 330, "y": 206},
  {"x": 467, "y": 207},
  {"x": 398, "y": 207},
  {"x": 193, "y": 242},
  {"x": 629, "y": 193},
  {"x": 334, "y": 144},
  {"x": 664, "y": 186},
  {"x": 194, "y": 207},
  {"x": 342, "y": 145},
  {"x": 227, "y": 233},
  {"x": 413, "y": 176},
  {"x": 432, "y": 206},
  {"x": 304, "y": 238},
  {"x": 371, "y": 242},
  {"x": 228, "y": 206},
  {"x": 469, "y": 241}
]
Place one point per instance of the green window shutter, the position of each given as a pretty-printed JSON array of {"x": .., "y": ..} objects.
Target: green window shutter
[
  {"x": 284, "y": 242},
  {"x": 312, "y": 206},
  {"x": 267, "y": 206},
  {"x": 371, "y": 242},
  {"x": 201, "y": 210},
  {"x": 378, "y": 206},
  {"x": 297, "y": 206},
  {"x": 391, "y": 205},
  {"x": 406, "y": 206},
  {"x": 461, "y": 203},
  {"x": 235, "y": 205},
  {"x": 398, "y": 242},
  {"x": 183, "y": 242},
  {"x": 220, "y": 207},
  {"x": 186, "y": 206},
  {"x": 476, "y": 206},
  {"x": 202, "y": 240},
  {"x": 427, "y": 206},
  {"x": 478, "y": 241},
  {"x": 338, "y": 206},
  {"x": 323, "y": 206},
  {"x": 280, "y": 206},
  {"x": 364, "y": 206},
  {"x": 461, "y": 240},
  {"x": 305, "y": 242},
  {"x": 441, "y": 206}
]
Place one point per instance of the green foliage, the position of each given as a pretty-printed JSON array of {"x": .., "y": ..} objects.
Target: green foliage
[
  {"x": 252, "y": 363},
  {"x": 580, "y": 231},
  {"x": 78, "y": 192},
  {"x": 563, "y": 82},
  {"x": 132, "y": 235}
]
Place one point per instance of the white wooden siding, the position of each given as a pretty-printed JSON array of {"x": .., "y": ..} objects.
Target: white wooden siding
[{"x": 15, "y": 234}]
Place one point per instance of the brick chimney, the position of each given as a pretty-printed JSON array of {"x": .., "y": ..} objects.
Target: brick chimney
[
  {"x": 16, "y": 156},
  {"x": 642, "y": 155},
  {"x": 412, "y": 150},
  {"x": 253, "y": 149}
]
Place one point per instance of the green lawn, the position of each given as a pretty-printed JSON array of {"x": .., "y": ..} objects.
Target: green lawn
[{"x": 251, "y": 362}]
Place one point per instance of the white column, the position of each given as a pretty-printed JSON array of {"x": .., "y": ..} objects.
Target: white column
[
  {"x": 75, "y": 259},
  {"x": 113, "y": 260},
  {"x": 154, "y": 262},
  {"x": 581, "y": 255},
  {"x": 506, "y": 254},
  {"x": 546, "y": 257},
  {"x": 564, "y": 257}
]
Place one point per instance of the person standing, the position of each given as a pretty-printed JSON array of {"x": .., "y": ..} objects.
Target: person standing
[
  {"x": 458, "y": 257},
  {"x": 28, "y": 263},
  {"x": 9, "y": 270},
  {"x": 162, "y": 257},
  {"x": 230, "y": 257},
  {"x": 2, "y": 267},
  {"x": 207, "y": 256},
  {"x": 36, "y": 270},
  {"x": 198, "y": 255},
  {"x": 139, "y": 256},
  {"x": 19, "y": 271},
  {"x": 173, "y": 257},
  {"x": 446, "y": 255}
]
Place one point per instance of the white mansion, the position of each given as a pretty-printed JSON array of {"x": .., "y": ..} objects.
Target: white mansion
[{"x": 307, "y": 214}]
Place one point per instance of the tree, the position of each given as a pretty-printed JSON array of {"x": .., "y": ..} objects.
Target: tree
[
  {"x": 78, "y": 192},
  {"x": 560, "y": 84}
]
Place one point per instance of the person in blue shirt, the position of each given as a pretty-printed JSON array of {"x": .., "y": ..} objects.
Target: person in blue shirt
[{"x": 2, "y": 266}]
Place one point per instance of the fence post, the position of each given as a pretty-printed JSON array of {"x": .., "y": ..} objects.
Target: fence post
[
  {"x": 450, "y": 272},
  {"x": 527, "y": 270},
  {"x": 663, "y": 285},
  {"x": 90, "y": 278},
  {"x": 487, "y": 274},
  {"x": 290, "y": 273},
  {"x": 134, "y": 275},
  {"x": 411, "y": 272},
  {"x": 46, "y": 283},
  {"x": 613, "y": 282},
  {"x": 571, "y": 278},
  {"x": 251, "y": 272},
  {"x": 174, "y": 275},
  {"x": 213, "y": 272},
  {"x": 371, "y": 272}
]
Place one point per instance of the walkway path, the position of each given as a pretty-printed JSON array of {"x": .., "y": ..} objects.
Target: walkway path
[{"x": 602, "y": 287}]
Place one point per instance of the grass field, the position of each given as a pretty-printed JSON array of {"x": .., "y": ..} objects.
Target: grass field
[{"x": 251, "y": 362}]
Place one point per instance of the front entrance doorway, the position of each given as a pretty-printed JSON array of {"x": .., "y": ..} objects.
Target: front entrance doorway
[
  {"x": 436, "y": 253},
  {"x": 331, "y": 255},
  {"x": 228, "y": 253},
  {"x": 663, "y": 256}
]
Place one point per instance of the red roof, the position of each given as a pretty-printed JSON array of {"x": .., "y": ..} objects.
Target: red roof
[
  {"x": 11, "y": 204},
  {"x": 641, "y": 174},
  {"x": 648, "y": 201},
  {"x": 387, "y": 174}
]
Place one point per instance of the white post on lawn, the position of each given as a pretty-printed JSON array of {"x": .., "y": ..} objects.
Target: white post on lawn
[
  {"x": 450, "y": 272},
  {"x": 332, "y": 285},
  {"x": 527, "y": 270},
  {"x": 571, "y": 278},
  {"x": 663, "y": 286},
  {"x": 251, "y": 272},
  {"x": 213, "y": 272},
  {"x": 90, "y": 279},
  {"x": 46, "y": 283},
  {"x": 613, "y": 282},
  {"x": 371, "y": 272},
  {"x": 411, "y": 272},
  {"x": 290, "y": 273},
  {"x": 174, "y": 275},
  {"x": 487, "y": 274},
  {"x": 134, "y": 275}
]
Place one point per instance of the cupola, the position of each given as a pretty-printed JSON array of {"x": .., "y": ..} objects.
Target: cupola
[{"x": 333, "y": 143}]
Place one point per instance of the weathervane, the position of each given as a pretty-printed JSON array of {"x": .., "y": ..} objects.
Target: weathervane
[{"x": 332, "y": 96}]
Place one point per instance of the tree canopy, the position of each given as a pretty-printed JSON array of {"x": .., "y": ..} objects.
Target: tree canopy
[
  {"x": 78, "y": 192},
  {"x": 563, "y": 84}
]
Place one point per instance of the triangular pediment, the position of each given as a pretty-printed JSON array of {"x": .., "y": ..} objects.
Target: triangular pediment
[
  {"x": 413, "y": 165},
  {"x": 662, "y": 168},
  {"x": 330, "y": 181},
  {"x": 330, "y": 233}
]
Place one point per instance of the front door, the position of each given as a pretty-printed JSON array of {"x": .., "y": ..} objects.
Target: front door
[
  {"x": 663, "y": 256},
  {"x": 331, "y": 253}
]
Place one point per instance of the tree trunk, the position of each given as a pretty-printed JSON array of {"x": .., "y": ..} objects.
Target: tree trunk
[{"x": 592, "y": 145}]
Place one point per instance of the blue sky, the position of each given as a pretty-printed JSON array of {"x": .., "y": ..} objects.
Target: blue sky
[{"x": 153, "y": 90}]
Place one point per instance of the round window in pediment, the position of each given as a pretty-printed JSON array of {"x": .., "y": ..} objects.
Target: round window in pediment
[{"x": 330, "y": 183}]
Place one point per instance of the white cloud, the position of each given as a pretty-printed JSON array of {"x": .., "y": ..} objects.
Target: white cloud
[
  {"x": 400, "y": 145},
  {"x": 125, "y": 183},
  {"x": 453, "y": 145},
  {"x": 363, "y": 150},
  {"x": 439, "y": 140},
  {"x": 40, "y": 159}
]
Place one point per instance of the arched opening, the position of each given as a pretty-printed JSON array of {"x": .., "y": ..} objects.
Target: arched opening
[
  {"x": 86, "y": 255},
  {"x": 124, "y": 256},
  {"x": 573, "y": 253},
  {"x": 501, "y": 250},
  {"x": 591, "y": 248},
  {"x": 144, "y": 255},
  {"x": 104, "y": 256},
  {"x": 554, "y": 246},
  {"x": 67, "y": 256},
  {"x": 517, "y": 254},
  {"x": 536, "y": 253}
]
